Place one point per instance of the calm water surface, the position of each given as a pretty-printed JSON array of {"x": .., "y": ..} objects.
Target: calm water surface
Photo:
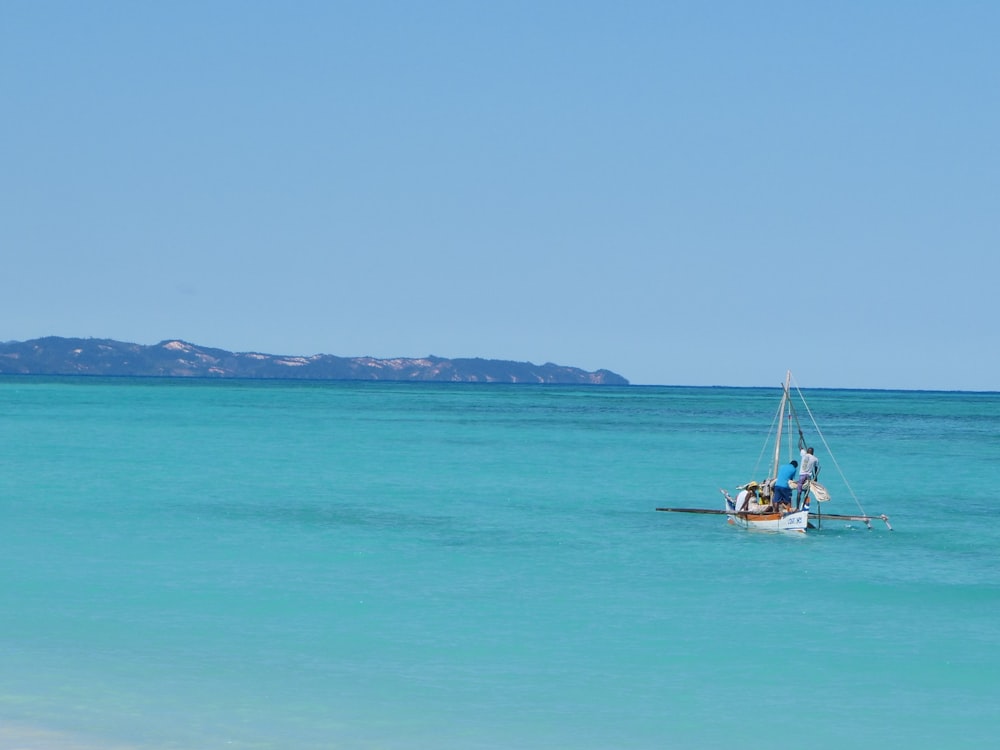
[{"x": 196, "y": 564}]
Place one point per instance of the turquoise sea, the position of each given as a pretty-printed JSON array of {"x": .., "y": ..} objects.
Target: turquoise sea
[{"x": 213, "y": 565}]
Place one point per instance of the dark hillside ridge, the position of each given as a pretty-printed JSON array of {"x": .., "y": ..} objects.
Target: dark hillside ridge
[{"x": 54, "y": 355}]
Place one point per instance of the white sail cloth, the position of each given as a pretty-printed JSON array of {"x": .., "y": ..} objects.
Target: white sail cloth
[{"x": 818, "y": 491}]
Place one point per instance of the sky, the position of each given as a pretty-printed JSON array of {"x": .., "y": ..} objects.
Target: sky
[{"x": 686, "y": 193}]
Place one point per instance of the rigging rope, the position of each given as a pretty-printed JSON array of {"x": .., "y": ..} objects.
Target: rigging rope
[
  {"x": 767, "y": 442},
  {"x": 827, "y": 448}
]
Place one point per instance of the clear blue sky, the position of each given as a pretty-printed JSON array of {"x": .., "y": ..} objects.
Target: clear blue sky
[{"x": 684, "y": 192}]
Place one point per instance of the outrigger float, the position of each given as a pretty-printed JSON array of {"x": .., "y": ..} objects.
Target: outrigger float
[{"x": 762, "y": 506}]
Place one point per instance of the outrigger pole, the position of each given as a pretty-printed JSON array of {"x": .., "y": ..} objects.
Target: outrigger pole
[
  {"x": 867, "y": 519},
  {"x": 819, "y": 516}
]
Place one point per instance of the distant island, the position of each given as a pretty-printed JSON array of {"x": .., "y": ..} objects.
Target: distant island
[{"x": 54, "y": 355}]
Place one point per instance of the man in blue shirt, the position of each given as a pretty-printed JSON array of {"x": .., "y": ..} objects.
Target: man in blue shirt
[{"x": 782, "y": 492}]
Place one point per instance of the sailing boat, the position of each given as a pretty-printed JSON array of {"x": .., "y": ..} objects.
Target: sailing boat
[{"x": 767, "y": 507}]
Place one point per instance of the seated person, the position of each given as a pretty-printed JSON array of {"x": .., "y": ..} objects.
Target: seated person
[{"x": 750, "y": 501}]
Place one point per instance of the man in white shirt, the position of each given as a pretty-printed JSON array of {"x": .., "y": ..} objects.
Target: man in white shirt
[{"x": 808, "y": 469}]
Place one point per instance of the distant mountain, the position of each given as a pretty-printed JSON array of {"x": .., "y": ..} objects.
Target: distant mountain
[{"x": 54, "y": 355}]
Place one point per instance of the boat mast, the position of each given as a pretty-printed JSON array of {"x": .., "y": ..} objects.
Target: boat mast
[{"x": 781, "y": 423}]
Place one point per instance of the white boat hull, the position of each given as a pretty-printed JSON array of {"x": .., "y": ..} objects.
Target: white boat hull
[{"x": 796, "y": 521}]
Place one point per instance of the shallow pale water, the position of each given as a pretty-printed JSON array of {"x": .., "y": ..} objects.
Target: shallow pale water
[{"x": 204, "y": 564}]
